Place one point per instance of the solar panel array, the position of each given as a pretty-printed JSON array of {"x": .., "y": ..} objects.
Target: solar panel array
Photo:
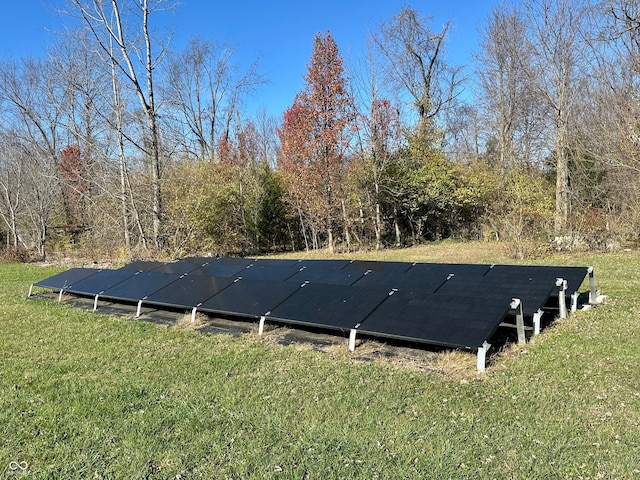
[{"x": 452, "y": 305}]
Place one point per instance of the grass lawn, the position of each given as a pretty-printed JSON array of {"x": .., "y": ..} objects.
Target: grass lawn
[{"x": 84, "y": 395}]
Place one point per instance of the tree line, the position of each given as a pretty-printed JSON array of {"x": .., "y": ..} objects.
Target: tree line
[{"x": 114, "y": 143}]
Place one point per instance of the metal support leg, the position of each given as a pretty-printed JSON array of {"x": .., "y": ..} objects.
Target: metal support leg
[
  {"x": 261, "y": 325},
  {"x": 193, "y": 314},
  {"x": 593, "y": 294},
  {"x": 516, "y": 305},
  {"x": 537, "y": 317},
  {"x": 139, "y": 309},
  {"x": 95, "y": 303},
  {"x": 60, "y": 295},
  {"x": 352, "y": 338},
  {"x": 562, "y": 299},
  {"x": 482, "y": 356},
  {"x": 30, "y": 290},
  {"x": 574, "y": 301}
]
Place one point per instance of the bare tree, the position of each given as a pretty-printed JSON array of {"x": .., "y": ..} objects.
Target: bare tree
[
  {"x": 125, "y": 25},
  {"x": 611, "y": 130},
  {"x": 206, "y": 88},
  {"x": 12, "y": 200},
  {"x": 33, "y": 105},
  {"x": 416, "y": 63},
  {"x": 503, "y": 79},
  {"x": 379, "y": 138},
  {"x": 558, "y": 59}
]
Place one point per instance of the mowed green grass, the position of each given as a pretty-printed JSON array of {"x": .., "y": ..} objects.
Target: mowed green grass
[{"x": 84, "y": 395}]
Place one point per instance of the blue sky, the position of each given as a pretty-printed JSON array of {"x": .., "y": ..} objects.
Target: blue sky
[{"x": 279, "y": 32}]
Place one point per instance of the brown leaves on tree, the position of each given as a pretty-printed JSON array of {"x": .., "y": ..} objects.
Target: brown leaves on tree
[
  {"x": 75, "y": 187},
  {"x": 314, "y": 138}
]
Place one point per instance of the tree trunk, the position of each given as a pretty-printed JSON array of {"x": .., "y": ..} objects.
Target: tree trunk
[
  {"x": 396, "y": 227},
  {"x": 347, "y": 236},
  {"x": 378, "y": 219},
  {"x": 563, "y": 195}
]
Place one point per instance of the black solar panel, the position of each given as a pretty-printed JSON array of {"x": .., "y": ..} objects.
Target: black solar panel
[
  {"x": 99, "y": 282},
  {"x": 67, "y": 278},
  {"x": 455, "y": 305},
  {"x": 218, "y": 269},
  {"x": 437, "y": 319},
  {"x": 573, "y": 275},
  {"x": 242, "y": 261},
  {"x": 176, "y": 267},
  {"x": 443, "y": 270},
  {"x": 329, "y": 306},
  {"x": 187, "y": 291},
  {"x": 326, "y": 275},
  {"x": 249, "y": 298},
  {"x": 142, "y": 266},
  {"x": 138, "y": 286},
  {"x": 421, "y": 282},
  {"x": 533, "y": 293},
  {"x": 264, "y": 271},
  {"x": 234, "y": 261},
  {"x": 278, "y": 262},
  {"x": 325, "y": 264},
  {"x": 364, "y": 265},
  {"x": 198, "y": 260}
]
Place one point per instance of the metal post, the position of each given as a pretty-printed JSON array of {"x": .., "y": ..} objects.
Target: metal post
[
  {"x": 60, "y": 295},
  {"x": 193, "y": 314},
  {"x": 574, "y": 301},
  {"x": 516, "y": 305},
  {"x": 30, "y": 289},
  {"x": 352, "y": 338},
  {"x": 562, "y": 299},
  {"x": 261, "y": 325},
  {"x": 593, "y": 294},
  {"x": 482, "y": 356},
  {"x": 139, "y": 309},
  {"x": 95, "y": 303},
  {"x": 537, "y": 317}
]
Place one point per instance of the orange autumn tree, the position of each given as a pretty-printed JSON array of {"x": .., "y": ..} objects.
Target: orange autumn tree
[{"x": 314, "y": 139}]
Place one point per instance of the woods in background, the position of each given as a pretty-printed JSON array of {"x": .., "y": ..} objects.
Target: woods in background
[{"x": 115, "y": 144}]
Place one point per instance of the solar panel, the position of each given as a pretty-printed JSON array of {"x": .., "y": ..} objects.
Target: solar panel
[
  {"x": 326, "y": 275},
  {"x": 67, "y": 278},
  {"x": 533, "y": 293},
  {"x": 198, "y": 260},
  {"x": 277, "y": 262},
  {"x": 233, "y": 261},
  {"x": 421, "y": 276},
  {"x": 249, "y": 298},
  {"x": 265, "y": 271},
  {"x": 176, "y": 267},
  {"x": 374, "y": 266},
  {"x": 403, "y": 281},
  {"x": 443, "y": 270},
  {"x": 99, "y": 282},
  {"x": 453, "y": 305},
  {"x": 138, "y": 286},
  {"x": 217, "y": 269},
  {"x": 329, "y": 306},
  {"x": 142, "y": 266},
  {"x": 573, "y": 275},
  {"x": 325, "y": 264},
  {"x": 187, "y": 291},
  {"x": 219, "y": 260},
  {"x": 444, "y": 320}
]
